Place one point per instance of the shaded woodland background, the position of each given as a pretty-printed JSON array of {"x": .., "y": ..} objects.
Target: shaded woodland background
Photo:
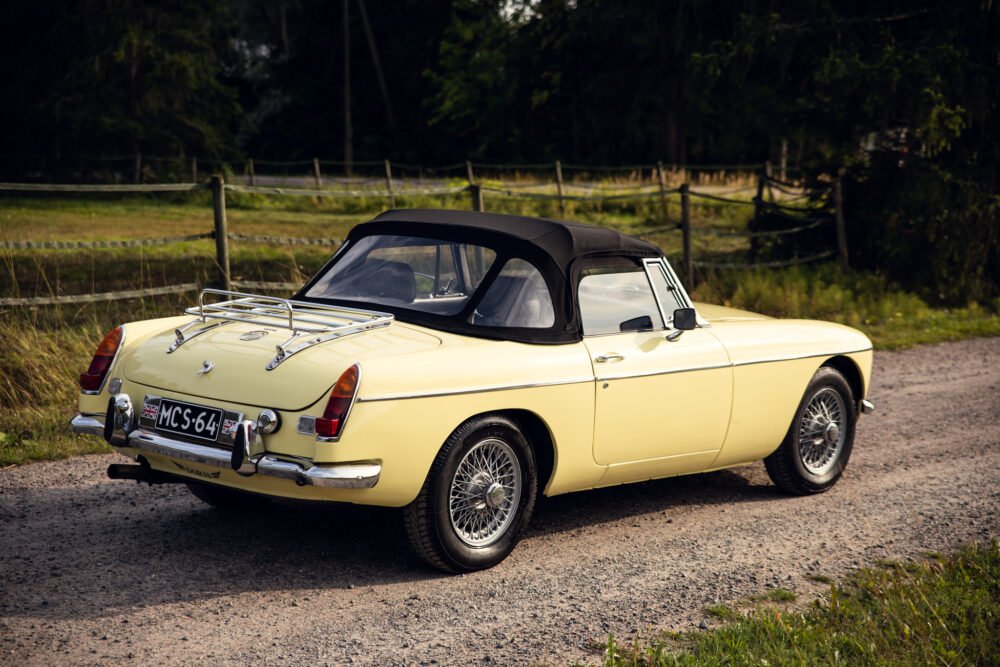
[{"x": 900, "y": 98}]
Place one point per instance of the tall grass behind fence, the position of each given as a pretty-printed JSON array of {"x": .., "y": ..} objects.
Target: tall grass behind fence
[{"x": 728, "y": 221}]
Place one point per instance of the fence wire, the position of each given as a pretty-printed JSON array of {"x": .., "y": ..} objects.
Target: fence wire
[
  {"x": 103, "y": 296},
  {"x": 87, "y": 245},
  {"x": 282, "y": 240},
  {"x": 763, "y": 265}
]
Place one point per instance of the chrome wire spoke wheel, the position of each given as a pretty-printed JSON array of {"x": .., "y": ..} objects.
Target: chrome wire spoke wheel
[
  {"x": 822, "y": 431},
  {"x": 485, "y": 493}
]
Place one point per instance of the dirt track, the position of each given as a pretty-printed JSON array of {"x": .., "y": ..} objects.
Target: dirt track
[{"x": 96, "y": 571}]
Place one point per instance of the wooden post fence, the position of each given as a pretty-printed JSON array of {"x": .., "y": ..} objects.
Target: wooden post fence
[
  {"x": 318, "y": 175},
  {"x": 253, "y": 178},
  {"x": 468, "y": 172},
  {"x": 661, "y": 177},
  {"x": 194, "y": 170},
  {"x": 388, "y": 184},
  {"x": 559, "y": 187},
  {"x": 221, "y": 231},
  {"x": 476, "y": 193},
  {"x": 686, "y": 233},
  {"x": 838, "y": 208},
  {"x": 137, "y": 168},
  {"x": 758, "y": 205},
  {"x": 784, "y": 159}
]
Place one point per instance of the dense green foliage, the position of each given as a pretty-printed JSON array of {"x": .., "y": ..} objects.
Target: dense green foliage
[
  {"x": 900, "y": 98},
  {"x": 945, "y": 610}
]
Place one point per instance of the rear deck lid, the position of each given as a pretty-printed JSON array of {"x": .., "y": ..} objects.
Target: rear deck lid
[{"x": 240, "y": 353}]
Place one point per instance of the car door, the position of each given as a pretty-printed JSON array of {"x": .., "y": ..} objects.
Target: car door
[{"x": 661, "y": 406}]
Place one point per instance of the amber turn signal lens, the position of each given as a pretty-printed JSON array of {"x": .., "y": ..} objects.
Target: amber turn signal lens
[
  {"x": 339, "y": 404},
  {"x": 101, "y": 363}
]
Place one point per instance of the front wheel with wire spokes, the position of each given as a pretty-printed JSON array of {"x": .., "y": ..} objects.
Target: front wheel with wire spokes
[
  {"x": 816, "y": 449},
  {"x": 477, "y": 498}
]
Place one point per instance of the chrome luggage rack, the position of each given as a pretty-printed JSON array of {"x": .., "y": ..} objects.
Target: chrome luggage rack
[{"x": 310, "y": 323}]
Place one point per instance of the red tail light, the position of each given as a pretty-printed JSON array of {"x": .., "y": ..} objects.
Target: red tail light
[
  {"x": 339, "y": 404},
  {"x": 101, "y": 363}
]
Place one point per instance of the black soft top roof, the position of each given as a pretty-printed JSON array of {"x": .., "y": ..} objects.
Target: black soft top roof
[
  {"x": 560, "y": 250},
  {"x": 562, "y": 241}
]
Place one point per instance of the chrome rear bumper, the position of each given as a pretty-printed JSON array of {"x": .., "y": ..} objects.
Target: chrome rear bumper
[{"x": 362, "y": 475}]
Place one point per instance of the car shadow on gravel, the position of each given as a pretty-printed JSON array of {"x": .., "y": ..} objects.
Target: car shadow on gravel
[
  {"x": 615, "y": 503},
  {"x": 104, "y": 549}
]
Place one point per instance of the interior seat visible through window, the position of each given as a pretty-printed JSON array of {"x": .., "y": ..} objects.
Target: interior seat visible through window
[{"x": 518, "y": 297}]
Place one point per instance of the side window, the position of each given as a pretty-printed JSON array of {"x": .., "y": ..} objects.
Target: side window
[
  {"x": 518, "y": 297},
  {"x": 615, "y": 300}
]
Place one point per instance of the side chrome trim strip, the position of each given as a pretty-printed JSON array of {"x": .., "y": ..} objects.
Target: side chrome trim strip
[
  {"x": 797, "y": 357},
  {"x": 471, "y": 390},
  {"x": 629, "y": 376},
  {"x": 481, "y": 390}
]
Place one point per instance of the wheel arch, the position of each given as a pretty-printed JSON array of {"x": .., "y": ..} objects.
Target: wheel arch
[
  {"x": 849, "y": 369},
  {"x": 539, "y": 437}
]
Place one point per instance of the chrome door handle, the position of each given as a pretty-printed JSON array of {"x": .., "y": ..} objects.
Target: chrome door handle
[{"x": 610, "y": 356}]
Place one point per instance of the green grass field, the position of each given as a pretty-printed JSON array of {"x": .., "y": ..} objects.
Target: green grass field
[
  {"x": 941, "y": 610},
  {"x": 46, "y": 347}
]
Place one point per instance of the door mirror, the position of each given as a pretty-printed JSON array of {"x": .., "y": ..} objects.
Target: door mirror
[{"x": 685, "y": 319}]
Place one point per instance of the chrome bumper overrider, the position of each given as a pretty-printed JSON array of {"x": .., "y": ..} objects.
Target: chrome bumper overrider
[
  {"x": 342, "y": 476},
  {"x": 866, "y": 407}
]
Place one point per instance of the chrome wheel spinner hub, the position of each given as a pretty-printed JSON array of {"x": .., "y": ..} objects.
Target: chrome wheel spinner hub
[
  {"x": 821, "y": 433},
  {"x": 485, "y": 493}
]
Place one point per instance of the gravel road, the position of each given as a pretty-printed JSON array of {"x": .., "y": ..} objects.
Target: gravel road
[{"x": 94, "y": 571}]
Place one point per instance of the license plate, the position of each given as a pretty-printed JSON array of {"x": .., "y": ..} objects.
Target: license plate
[{"x": 194, "y": 421}]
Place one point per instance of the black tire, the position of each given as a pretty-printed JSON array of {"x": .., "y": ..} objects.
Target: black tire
[
  {"x": 224, "y": 498},
  {"x": 809, "y": 460},
  {"x": 438, "y": 525}
]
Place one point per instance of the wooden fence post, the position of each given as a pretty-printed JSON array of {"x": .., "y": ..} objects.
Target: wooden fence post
[
  {"x": 758, "y": 204},
  {"x": 137, "y": 168},
  {"x": 784, "y": 160},
  {"x": 388, "y": 184},
  {"x": 221, "y": 231},
  {"x": 686, "y": 233},
  {"x": 253, "y": 177},
  {"x": 468, "y": 172},
  {"x": 476, "y": 192},
  {"x": 318, "y": 175},
  {"x": 559, "y": 187},
  {"x": 838, "y": 208},
  {"x": 194, "y": 170},
  {"x": 662, "y": 179}
]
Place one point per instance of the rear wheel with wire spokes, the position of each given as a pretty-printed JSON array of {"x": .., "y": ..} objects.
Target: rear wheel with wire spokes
[
  {"x": 816, "y": 449},
  {"x": 477, "y": 498}
]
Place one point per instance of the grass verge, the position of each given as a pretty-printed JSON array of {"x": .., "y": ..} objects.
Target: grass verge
[{"x": 942, "y": 610}]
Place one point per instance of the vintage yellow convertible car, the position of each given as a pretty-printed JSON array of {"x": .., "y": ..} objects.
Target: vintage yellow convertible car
[{"x": 457, "y": 364}]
